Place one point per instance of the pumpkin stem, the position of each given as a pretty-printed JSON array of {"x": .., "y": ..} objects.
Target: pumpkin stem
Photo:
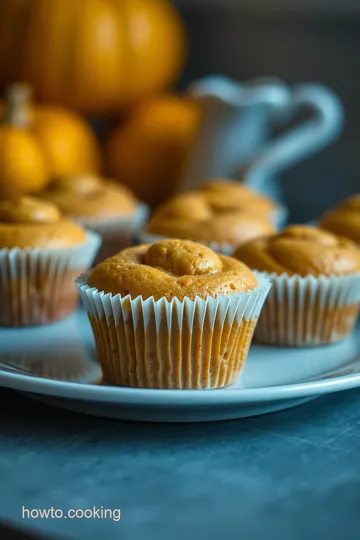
[{"x": 17, "y": 105}]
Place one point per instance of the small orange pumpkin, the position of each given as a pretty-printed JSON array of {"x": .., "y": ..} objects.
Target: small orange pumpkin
[
  {"x": 96, "y": 56},
  {"x": 39, "y": 142},
  {"x": 148, "y": 152}
]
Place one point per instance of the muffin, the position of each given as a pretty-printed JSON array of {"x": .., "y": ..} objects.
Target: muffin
[
  {"x": 216, "y": 216},
  {"x": 228, "y": 195},
  {"x": 173, "y": 314},
  {"x": 41, "y": 253},
  {"x": 344, "y": 220},
  {"x": 315, "y": 291},
  {"x": 100, "y": 205}
]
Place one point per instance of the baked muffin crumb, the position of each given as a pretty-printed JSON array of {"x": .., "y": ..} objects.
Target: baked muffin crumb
[
  {"x": 171, "y": 268},
  {"x": 302, "y": 250},
  {"x": 29, "y": 222}
]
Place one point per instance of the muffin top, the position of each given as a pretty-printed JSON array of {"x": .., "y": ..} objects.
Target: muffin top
[
  {"x": 89, "y": 196},
  {"x": 169, "y": 269},
  {"x": 345, "y": 219},
  {"x": 227, "y": 195},
  {"x": 30, "y": 222},
  {"x": 302, "y": 250},
  {"x": 209, "y": 216}
]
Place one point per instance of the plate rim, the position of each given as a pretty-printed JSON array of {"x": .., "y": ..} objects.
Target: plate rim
[{"x": 178, "y": 398}]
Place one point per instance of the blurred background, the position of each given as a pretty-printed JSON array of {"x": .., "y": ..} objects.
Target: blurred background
[
  {"x": 295, "y": 40},
  {"x": 115, "y": 64}
]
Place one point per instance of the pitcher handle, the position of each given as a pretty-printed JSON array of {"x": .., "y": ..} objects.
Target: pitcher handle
[{"x": 303, "y": 141}]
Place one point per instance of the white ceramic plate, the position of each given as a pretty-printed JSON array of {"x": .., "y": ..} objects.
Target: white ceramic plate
[{"x": 57, "y": 364}]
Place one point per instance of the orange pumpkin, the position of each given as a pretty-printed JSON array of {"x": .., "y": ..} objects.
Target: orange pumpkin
[
  {"x": 148, "y": 152},
  {"x": 37, "y": 143},
  {"x": 92, "y": 55}
]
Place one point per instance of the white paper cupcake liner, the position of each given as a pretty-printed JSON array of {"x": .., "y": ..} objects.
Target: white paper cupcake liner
[
  {"x": 219, "y": 247},
  {"x": 193, "y": 344},
  {"x": 37, "y": 285},
  {"x": 307, "y": 311},
  {"x": 117, "y": 233}
]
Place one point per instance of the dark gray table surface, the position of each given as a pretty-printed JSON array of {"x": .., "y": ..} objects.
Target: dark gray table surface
[{"x": 289, "y": 475}]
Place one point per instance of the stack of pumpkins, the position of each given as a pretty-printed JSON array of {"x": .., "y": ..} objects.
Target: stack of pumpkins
[{"x": 92, "y": 58}]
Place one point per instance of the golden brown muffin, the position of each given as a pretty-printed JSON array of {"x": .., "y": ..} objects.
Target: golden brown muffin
[
  {"x": 101, "y": 206},
  {"x": 28, "y": 222},
  {"x": 315, "y": 291},
  {"x": 89, "y": 196},
  {"x": 344, "y": 220},
  {"x": 41, "y": 254},
  {"x": 302, "y": 250},
  {"x": 227, "y": 195},
  {"x": 178, "y": 316},
  {"x": 192, "y": 216},
  {"x": 171, "y": 269}
]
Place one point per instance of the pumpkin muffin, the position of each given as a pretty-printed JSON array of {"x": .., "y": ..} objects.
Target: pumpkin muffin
[
  {"x": 217, "y": 216},
  {"x": 100, "y": 205},
  {"x": 228, "y": 195},
  {"x": 344, "y": 220},
  {"x": 41, "y": 253},
  {"x": 173, "y": 314},
  {"x": 315, "y": 291}
]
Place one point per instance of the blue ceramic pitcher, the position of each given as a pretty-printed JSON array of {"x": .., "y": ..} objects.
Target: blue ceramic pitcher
[{"x": 234, "y": 139}]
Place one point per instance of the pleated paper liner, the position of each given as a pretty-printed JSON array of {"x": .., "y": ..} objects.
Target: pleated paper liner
[
  {"x": 37, "y": 285},
  {"x": 192, "y": 344},
  {"x": 307, "y": 311}
]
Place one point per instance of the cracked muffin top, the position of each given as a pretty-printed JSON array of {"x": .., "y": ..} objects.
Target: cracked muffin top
[
  {"x": 222, "y": 211},
  {"x": 89, "y": 196},
  {"x": 172, "y": 268},
  {"x": 28, "y": 222},
  {"x": 302, "y": 250}
]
